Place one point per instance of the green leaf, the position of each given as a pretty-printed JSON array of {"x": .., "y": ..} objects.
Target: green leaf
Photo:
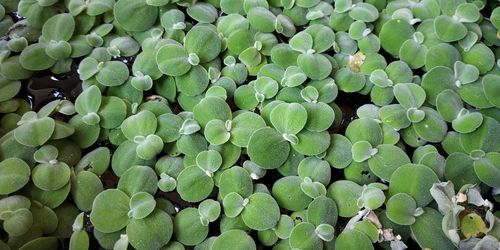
[
  {"x": 315, "y": 169},
  {"x": 134, "y": 15},
  {"x": 467, "y": 13},
  {"x": 191, "y": 145},
  {"x": 188, "y": 229},
  {"x": 59, "y": 27},
  {"x": 152, "y": 232},
  {"x": 261, "y": 19},
  {"x": 233, "y": 204},
  {"x": 364, "y": 129},
  {"x": 368, "y": 228},
  {"x": 14, "y": 174},
  {"x": 235, "y": 179},
  {"x": 415, "y": 180},
  {"x": 41, "y": 243},
  {"x": 110, "y": 211},
  {"x": 362, "y": 151},
  {"x": 449, "y": 104},
  {"x": 243, "y": 126},
  {"x": 8, "y": 89},
  {"x": 79, "y": 241},
  {"x": 88, "y": 68},
  {"x": 345, "y": 194},
  {"x": 323, "y": 37},
  {"x": 261, "y": 213},
  {"x": 149, "y": 147},
  {"x": 289, "y": 118},
  {"x": 203, "y": 12},
  {"x": 141, "y": 205},
  {"x": 209, "y": 209},
  {"x": 371, "y": 198},
  {"x": 209, "y": 161},
  {"x": 467, "y": 122},
  {"x": 364, "y": 12},
  {"x": 312, "y": 189},
  {"x": 143, "y": 124},
  {"x": 491, "y": 89},
  {"x": 442, "y": 54},
  {"x": 484, "y": 137},
  {"x": 216, "y": 132},
  {"x": 487, "y": 169},
  {"x": 88, "y": 101},
  {"x": 203, "y": 41},
  {"x": 35, "y": 58},
  {"x": 18, "y": 222},
  {"x": 266, "y": 86},
  {"x": 449, "y": 29},
  {"x": 413, "y": 52},
  {"x": 409, "y": 95},
  {"x": 138, "y": 179},
  {"x": 315, "y": 66},
  {"x": 84, "y": 188},
  {"x": 465, "y": 73},
  {"x": 288, "y": 194},
  {"x": 428, "y": 232},
  {"x": 193, "y": 184},
  {"x": 320, "y": 116},
  {"x": 284, "y": 227},
  {"x": 312, "y": 143},
  {"x": 51, "y": 176},
  {"x": 268, "y": 148},
  {"x": 432, "y": 128},
  {"x": 303, "y": 236},
  {"x": 353, "y": 239},
  {"x": 458, "y": 170},
  {"x": 233, "y": 239},
  {"x": 302, "y": 42},
  {"x": 401, "y": 208},
  {"x": 172, "y": 60},
  {"x": 112, "y": 112},
  {"x": 112, "y": 73},
  {"x": 393, "y": 34},
  {"x": 322, "y": 210},
  {"x": 210, "y": 108},
  {"x": 339, "y": 153}
]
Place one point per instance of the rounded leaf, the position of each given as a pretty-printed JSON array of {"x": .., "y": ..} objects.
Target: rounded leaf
[
  {"x": 400, "y": 209},
  {"x": 152, "y": 232},
  {"x": 243, "y": 126},
  {"x": 415, "y": 180},
  {"x": 345, "y": 194},
  {"x": 267, "y": 148},
  {"x": 261, "y": 213},
  {"x": 428, "y": 232},
  {"x": 234, "y": 239},
  {"x": 110, "y": 211},
  {"x": 289, "y": 118},
  {"x": 353, "y": 239},
  {"x": 142, "y": 204},
  {"x": 315, "y": 66},
  {"x": 135, "y": 15},
  {"x": 203, "y": 41},
  {"x": 194, "y": 185},
  {"x": 14, "y": 174},
  {"x": 172, "y": 60},
  {"x": 188, "y": 229},
  {"x": 59, "y": 27},
  {"x": 303, "y": 236}
]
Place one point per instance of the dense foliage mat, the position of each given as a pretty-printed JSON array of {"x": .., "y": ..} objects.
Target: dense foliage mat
[{"x": 249, "y": 124}]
